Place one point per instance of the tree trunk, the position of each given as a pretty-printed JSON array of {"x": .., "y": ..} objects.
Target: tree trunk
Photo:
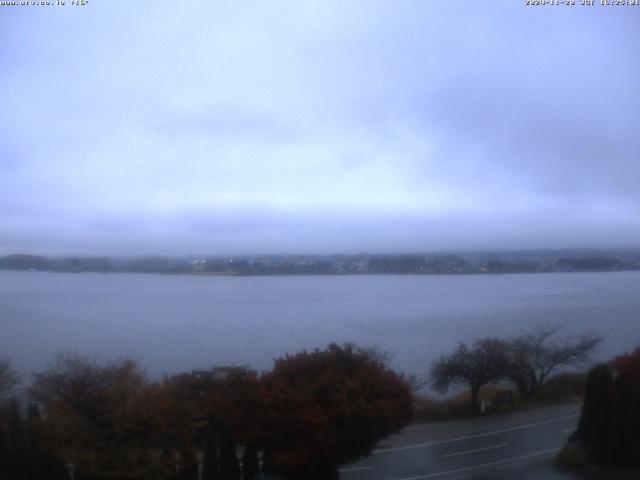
[
  {"x": 210, "y": 459},
  {"x": 522, "y": 389},
  {"x": 475, "y": 407},
  {"x": 229, "y": 467},
  {"x": 250, "y": 464}
]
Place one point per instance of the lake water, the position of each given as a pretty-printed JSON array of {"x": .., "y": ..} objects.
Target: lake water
[{"x": 175, "y": 323}]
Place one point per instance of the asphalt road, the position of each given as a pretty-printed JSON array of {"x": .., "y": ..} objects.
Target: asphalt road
[{"x": 516, "y": 445}]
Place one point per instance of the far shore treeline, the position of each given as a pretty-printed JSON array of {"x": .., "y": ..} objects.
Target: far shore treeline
[{"x": 535, "y": 261}]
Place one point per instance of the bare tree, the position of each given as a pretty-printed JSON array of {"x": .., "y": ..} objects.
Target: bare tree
[
  {"x": 96, "y": 414},
  {"x": 535, "y": 355},
  {"x": 74, "y": 383},
  {"x": 9, "y": 378},
  {"x": 416, "y": 383},
  {"x": 485, "y": 361},
  {"x": 377, "y": 353}
]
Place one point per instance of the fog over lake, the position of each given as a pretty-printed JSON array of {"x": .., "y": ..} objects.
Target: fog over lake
[{"x": 175, "y": 323}]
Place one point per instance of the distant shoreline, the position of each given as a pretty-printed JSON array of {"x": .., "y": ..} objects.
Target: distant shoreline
[
  {"x": 364, "y": 274},
  {"x": 339, "y": 265}
]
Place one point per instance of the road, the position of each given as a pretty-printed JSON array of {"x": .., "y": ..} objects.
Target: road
[{"x": 515, "y": 445}]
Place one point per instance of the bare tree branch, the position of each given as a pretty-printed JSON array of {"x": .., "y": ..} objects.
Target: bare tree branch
[
  {"x": 536, "y": 354},
  {"x": 9, "y": 378},
  {"x": 485, "y": 361}
]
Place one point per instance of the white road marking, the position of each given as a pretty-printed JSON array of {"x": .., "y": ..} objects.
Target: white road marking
[
  {"x": 353, "y": 469},
  {"x": 479, "y": 435},
  {"x": 493, "y": 447},
  {"x": 483, "y": 465}
]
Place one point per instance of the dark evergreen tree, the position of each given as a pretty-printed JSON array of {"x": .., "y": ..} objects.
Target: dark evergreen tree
[
  {"x": 595, "y": 421},
  {"x": 250, "y": 465},
  {"x": 609, "y": 427},
  {"x": 229, "y": 467},
  {"x": 625, "y": 427},
  {"x": 633, "y": 424}
]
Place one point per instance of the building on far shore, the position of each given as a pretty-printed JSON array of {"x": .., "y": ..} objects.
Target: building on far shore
[{"x": 220, "y": 371}]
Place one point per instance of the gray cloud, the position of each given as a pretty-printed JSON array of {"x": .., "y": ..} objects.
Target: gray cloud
[
  {"x": 223, "y": 122},
  {"x": 318, "y": 127}
]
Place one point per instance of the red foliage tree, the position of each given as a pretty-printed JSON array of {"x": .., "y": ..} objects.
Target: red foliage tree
[
  {"x": 202, "y": 411},
  {"x": 331, "y": 407},
  {"x": 628, "y": 365},
  {"x": 235, "y": 407}
]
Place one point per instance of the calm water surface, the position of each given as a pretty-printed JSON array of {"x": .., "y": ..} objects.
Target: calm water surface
[{"x": 175, "y": 323}]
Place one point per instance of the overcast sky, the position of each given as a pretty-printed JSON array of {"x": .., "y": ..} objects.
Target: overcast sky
[{"x": 132, "y": 127}]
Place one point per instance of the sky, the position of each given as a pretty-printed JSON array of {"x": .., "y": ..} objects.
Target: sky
[{"x": 318, "y": 126}]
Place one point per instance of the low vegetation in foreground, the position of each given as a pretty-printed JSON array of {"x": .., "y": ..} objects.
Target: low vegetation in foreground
[
  {"x": 313, "y": 412},
  {"x": 92, "y": 421}
]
